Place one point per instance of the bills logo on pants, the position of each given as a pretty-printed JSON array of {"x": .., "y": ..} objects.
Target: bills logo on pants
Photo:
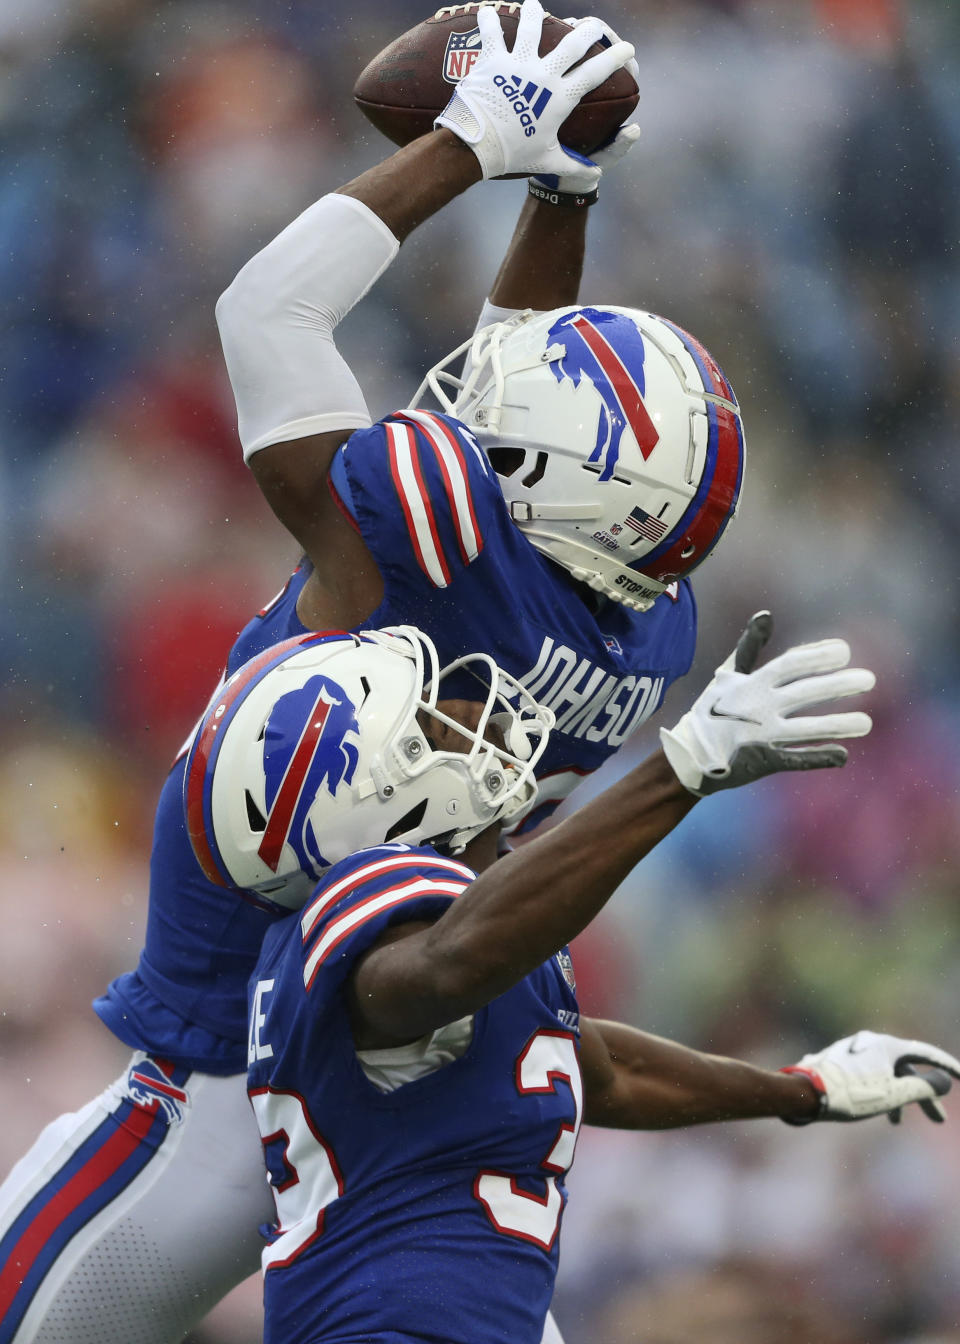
[{"x": 148, "y": 1083}]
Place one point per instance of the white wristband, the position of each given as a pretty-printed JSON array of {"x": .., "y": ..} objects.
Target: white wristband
[
  {"x": 278, "y": 316},
  {"x": 490, "y": 313}
]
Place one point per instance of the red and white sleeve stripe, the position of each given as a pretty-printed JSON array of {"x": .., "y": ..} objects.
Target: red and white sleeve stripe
[
  {"x": 330, "y": 895},
  {"x": 456, "y": 479},
  {"x": 343, "y": 925},
  {"x": 407, "y": 437}
]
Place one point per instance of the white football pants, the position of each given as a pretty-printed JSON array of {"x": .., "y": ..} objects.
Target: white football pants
[{"x": 126, "y": 1223}]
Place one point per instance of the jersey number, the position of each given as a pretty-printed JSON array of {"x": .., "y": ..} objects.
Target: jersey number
[
  {"x": 304, "y": 1174},
  {"x": 548, "y": 1058}
]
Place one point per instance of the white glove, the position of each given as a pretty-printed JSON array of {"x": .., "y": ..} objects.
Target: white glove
[
  {"x": 608, "y": 38},
  {"x": 511, "y": 105},
  {"x": 871, "y": 1074},
  {"x": 582, "y": 179},
  {"x": 742, "y": 726},
  {"x": 578, "y": 181}
]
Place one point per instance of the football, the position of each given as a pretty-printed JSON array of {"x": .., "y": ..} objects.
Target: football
[{"x": 410, "y": 82}]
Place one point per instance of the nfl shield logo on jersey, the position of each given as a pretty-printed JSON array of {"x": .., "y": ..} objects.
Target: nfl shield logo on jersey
[
  {"x": 565, "y": 962},
  {"x": 460, "y": 55}
]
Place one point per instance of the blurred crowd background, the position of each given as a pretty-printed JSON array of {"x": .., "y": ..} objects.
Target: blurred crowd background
[{"x": 793, "y": 201}]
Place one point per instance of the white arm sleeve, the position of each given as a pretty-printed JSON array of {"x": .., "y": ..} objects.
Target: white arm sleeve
[
  {"x": 490, "y": 313},
  {"x": 277, "y": 320}
]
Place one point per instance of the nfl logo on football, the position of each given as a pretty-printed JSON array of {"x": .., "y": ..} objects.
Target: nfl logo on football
[{"x": 458, "y": 59}]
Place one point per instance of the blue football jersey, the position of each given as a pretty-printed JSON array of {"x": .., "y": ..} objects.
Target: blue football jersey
[
  {"x": 429, "y": 507},
  {"x": 431, "y": 1212}
]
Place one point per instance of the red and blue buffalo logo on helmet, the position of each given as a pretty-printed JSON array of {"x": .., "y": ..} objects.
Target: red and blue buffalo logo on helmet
[
  {"x": 608, "y": 348},
  {"x": 306, "y": 747}
]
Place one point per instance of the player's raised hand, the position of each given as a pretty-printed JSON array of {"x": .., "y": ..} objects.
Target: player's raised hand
[
  {"x": 581, "y": 178},
  {"x": 577, "y": 180},
  {"x": 873, "y": 1074},
  {"x": 607, "y": 38},
  {"x": 746, "y": 724},
  {"x": 511, "y": 105}
]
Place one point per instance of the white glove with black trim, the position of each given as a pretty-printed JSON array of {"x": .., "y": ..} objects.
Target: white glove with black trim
[
  {"x": 743, "y": 726},
  {"x": 511, "y": 105},
  {"x": 872, "y": 1074}
]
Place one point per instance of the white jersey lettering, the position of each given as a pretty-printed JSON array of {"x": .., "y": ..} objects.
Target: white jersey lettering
[
  {"x": 256, "y": 1048},
  {"x": 589, "y": 702}
]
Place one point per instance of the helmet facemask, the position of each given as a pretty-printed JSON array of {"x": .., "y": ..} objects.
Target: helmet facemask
[{"x": 497, "y": 780}]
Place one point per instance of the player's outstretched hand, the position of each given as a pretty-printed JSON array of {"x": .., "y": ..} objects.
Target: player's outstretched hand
[
  {"x": 745, "y": 723},
  {"x": 872, "y": 1074},
  {"x": 511, "y": 105}
]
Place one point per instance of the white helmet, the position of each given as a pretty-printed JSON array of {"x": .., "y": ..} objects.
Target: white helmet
[
  {"x": 631, "y": 439},
  {"x": 312, "y": 751}
]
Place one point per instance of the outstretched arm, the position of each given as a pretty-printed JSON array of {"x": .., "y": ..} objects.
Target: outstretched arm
[
  {"x": 544, "y": 262},
  {"x": 543, "y": 265},
  {"x": 525, "y": 907},
  {"x": 297, "y": 400},
  {"x": 517, "y": 913},
  {"x": 541, "y": 269},
  {"x": 633, "y": 1080}
]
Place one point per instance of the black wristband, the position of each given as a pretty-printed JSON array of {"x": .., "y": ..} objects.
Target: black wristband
[{"x": 571, "y": 200}]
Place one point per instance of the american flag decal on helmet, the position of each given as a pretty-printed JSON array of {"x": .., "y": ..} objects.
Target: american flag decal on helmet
[{"x": 645, "y": 524}]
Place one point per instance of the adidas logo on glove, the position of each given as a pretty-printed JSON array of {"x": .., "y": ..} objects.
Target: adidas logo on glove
[{"x": 520, "y": 101}]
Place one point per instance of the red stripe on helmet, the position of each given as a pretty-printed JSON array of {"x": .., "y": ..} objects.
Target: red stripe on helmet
[
  {"x": 199, "y": 763},
  {"x": 291, "y": 787},
  {"x": 721, "y": 388},
  {"x": 706, "y": 527},
  {"x": 638, "y": 417}
]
